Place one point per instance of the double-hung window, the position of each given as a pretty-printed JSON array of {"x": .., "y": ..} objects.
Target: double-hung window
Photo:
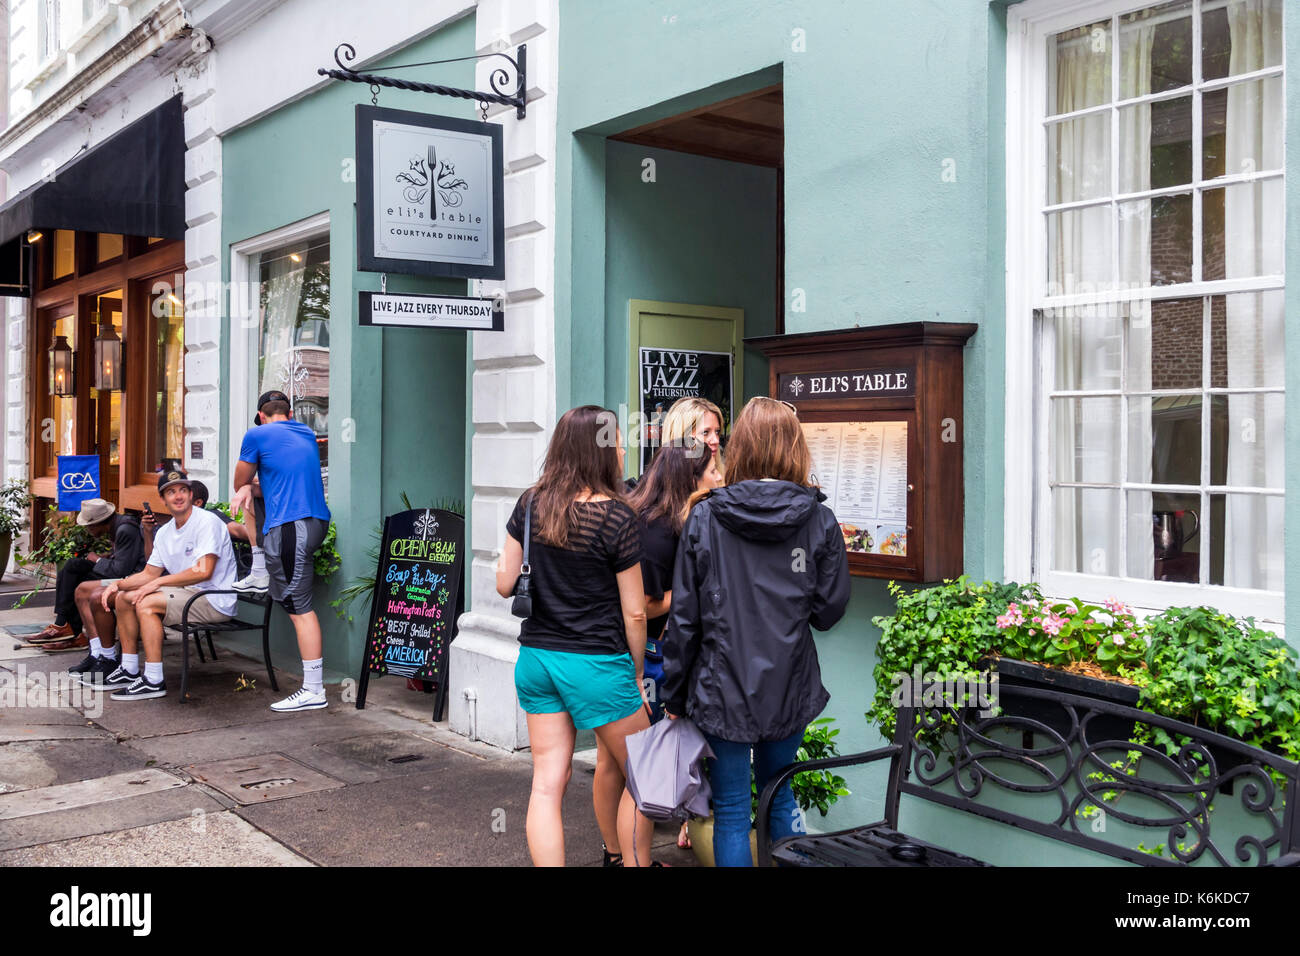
[{"x": 1146, "y": 322}]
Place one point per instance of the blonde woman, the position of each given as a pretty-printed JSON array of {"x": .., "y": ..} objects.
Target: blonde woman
[{"x": 696, "y": 418}]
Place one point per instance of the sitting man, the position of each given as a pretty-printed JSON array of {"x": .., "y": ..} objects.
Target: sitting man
[
  {"x": 191, "y": 554},
  {"x": 101, "y": 519}
]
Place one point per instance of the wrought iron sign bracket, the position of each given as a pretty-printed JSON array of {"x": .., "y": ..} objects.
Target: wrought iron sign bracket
[{"x": 345, "y": 53}]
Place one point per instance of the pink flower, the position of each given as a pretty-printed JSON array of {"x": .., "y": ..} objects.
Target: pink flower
[
  {"x": 1069, "y": 610},
  {"x": 1038, "y": 620},
  {"x": 1119, "y": 640},
  {"x": 1054, "y": 624}
]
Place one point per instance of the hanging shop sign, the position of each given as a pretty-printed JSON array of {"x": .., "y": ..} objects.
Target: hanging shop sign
[
  {"x": 417, "y": 599},
  {"x": 429, "y": 195},
  {"x": 78, "y": 480},
  {"x": 412, "y": 311},
  {"x": 670, "y": 374}
]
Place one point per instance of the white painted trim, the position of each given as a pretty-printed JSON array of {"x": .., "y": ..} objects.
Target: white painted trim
[{"x": 243, "y": 309}]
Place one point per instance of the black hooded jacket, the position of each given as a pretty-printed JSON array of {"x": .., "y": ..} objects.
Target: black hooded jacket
[{"x": 759, "y": 564}]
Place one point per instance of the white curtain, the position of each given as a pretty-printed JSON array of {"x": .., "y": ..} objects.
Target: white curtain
[
  {"x": 1253, "y": 216},
  {"x": 276, "y": 351},
  {"x": 1085, "y": 437}
]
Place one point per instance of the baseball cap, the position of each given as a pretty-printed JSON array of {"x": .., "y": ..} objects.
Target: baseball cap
[
  {"x": 271, "y": 396},
  {"x": 173, "y": 476}
]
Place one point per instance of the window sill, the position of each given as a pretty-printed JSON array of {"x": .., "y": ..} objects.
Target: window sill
[
  {"x": 46, "y": 70},
  {"x": 93, "y": 28}
]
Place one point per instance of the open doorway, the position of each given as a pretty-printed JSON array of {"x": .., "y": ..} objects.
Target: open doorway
[{"x": 694, "y": 252}]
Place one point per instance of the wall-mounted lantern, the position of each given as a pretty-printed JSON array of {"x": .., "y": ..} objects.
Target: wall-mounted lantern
[
  {"x": 108, "y": 356},
  {"x": 61, "y": 371}
]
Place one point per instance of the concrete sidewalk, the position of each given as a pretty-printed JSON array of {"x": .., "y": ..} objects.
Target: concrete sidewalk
[{"x": 223, "y": 780}]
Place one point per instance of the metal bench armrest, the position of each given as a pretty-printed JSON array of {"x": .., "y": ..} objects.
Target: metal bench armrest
[{"x": 786, "y": 773}]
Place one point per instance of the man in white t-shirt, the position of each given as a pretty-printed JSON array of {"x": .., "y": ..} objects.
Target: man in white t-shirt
[{"x": 191, "y": 554}]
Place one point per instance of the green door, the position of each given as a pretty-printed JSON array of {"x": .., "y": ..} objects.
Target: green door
[{"x": 679, "y": 350}]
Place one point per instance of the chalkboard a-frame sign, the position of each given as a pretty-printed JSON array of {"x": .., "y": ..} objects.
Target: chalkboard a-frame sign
[{"x": 418, "y": 598}]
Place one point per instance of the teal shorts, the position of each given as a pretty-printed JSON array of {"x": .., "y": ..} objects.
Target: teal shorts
[{"x": 593, "y": 689}]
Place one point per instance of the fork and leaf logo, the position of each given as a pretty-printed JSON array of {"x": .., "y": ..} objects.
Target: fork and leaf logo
[{"x": 428, "y": 178}]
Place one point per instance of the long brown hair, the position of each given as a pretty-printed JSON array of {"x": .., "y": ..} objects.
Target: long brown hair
[
  {"x": 767, "y": 442},
  {"x": 582, "y": 456},
  {"x": 671, "y": 479}
]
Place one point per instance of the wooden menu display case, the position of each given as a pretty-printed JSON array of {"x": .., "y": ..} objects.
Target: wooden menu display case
[{"x": 881, "y": 408}]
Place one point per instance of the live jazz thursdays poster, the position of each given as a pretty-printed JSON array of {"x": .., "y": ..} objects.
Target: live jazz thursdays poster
[{"x": 670, "y": 374}]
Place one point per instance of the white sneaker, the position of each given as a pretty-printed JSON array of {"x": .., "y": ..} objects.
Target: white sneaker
[
  {"x": 302, "y": 700},
  {"x": 254, "y": 582}
]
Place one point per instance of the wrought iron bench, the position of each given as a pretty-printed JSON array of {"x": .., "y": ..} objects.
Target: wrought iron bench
[
  {"x": 1065, "y": 773},
  {"x": 197, "y": 630}
]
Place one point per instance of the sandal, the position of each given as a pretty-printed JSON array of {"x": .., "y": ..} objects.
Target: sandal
[
  {"x": 611, "y": 859},
  {"x": 684, "y": 837}
]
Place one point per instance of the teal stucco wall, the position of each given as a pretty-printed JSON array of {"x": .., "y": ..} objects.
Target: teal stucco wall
[
  {"x": 398, "y": 397},
  {"x": 875, "y": 232}
]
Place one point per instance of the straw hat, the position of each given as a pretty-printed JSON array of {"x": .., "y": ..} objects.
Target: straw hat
[{"x": 94, "y": 511}]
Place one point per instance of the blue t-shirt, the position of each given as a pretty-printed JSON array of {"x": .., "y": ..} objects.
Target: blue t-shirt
[{"x": 288, "y": 466}]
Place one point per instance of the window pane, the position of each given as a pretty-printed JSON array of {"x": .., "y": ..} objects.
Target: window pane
[
  {"x": 1244, "y": 36},
  {"x": 108, "y": 245},
  {"x": 64, "y": 252},
  {"x": 169, "y": 400},
  {"x": 1082, "y": 68},
  {"x": 1246, "y": 543},
  {"x": 293, "y": 333},
  {"x": 1079, "y": 249},
  {"x": 1078, "y": 159},
  {"x": 1248, "y": 340},
  {"x": 1155, "y": 48},
  {"x": 1242, "y": 128},
  {"x": 1155, "y": 241},
  {"x": 1088, "y": 345},
  {"x": 108, "y": 309},
  {"x": 1166, "y": 352},
  {"x": 1164, "y": 439},
  {"x": 63, "y": 407},
  {"x": 1085, "y": 526},
  {"x": 1165, "y": 129},
  {"x": 1251, "y": 454},
  {"x": 1174, "y": 524},
  {"x": 1243, "y": 230},
  {"x": 1085, "y": 432}
]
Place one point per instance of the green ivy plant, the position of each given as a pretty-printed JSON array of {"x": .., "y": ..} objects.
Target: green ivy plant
[{"x": 812, "y": 788}]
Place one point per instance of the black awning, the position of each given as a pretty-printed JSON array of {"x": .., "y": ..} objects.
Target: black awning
[{"x": 133, "y": 183}]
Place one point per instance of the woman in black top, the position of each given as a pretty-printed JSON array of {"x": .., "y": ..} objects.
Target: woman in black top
[
  {"x": 583, "y": 647},
  {"x": 680, "y": 469}
]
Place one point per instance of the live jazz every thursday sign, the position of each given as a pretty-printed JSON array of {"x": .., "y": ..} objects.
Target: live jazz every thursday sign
[
  {"x": 670, "y": 374},
  {"x": 429, "y": 195},
  {"x": 416, "y": 599},
  {"x": 414, "y": 311}
]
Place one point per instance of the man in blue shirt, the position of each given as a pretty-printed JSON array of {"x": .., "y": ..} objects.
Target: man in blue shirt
[{"x": 282, "y": 453}]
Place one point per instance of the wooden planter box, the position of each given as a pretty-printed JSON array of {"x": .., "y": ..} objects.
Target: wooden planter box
[{"x": 1014, "y": 673}]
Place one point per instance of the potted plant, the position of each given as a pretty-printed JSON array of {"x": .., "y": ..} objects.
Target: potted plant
[
  {"x": 14, "y": 500},
  {"x": 61, "y": 538},
  {"x": 814, "y": 788}
]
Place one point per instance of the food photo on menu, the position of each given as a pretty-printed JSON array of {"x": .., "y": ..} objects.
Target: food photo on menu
[{"x": 861, "y": 467}]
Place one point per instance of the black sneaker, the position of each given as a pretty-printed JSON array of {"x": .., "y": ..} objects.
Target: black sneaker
[
  {"x": 87, "y": 663},
  {"x": 141, "y": 689},
  {"x": 120, "y": 678},
  {"x": 98, "y": 673}
]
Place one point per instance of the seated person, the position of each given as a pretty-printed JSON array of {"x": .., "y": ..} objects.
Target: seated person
[
  {"x": 101, "y": 519},
  {"x": 191, "y": 554}
]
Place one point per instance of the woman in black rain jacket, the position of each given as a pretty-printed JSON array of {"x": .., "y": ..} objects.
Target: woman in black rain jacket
[{"x": 761, "y": 562}]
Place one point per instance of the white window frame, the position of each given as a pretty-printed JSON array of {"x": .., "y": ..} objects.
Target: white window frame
[
  {"x": 1027, "y": 524},
  {"x": 244, "y": 286}
]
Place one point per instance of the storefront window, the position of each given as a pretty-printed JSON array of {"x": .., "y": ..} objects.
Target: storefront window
[
  {"x": 109, "y": 310},
  {"x": 59, "y": 432},
  {"x": 1161, "y": 306},
  {"x": 168, "y": 425},
  {"x": 65, "y": 244},
  {"x": 292, "y": 333},
  {"x": 108, "y": 246}
]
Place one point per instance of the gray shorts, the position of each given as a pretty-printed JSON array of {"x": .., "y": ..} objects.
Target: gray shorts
[{"x": 289, "y": 549}]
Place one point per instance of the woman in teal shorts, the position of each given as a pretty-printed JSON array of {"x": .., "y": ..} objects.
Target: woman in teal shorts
[{"x": 583, "y": 648}]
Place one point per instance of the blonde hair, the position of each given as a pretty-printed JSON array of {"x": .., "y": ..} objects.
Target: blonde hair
[{"x": 684, "y": 418}]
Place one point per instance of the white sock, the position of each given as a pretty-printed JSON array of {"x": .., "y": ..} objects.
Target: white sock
[
  {"x": 153, "y": 672},
  {"x": 111, "y": 653},
  {"x": 96, "y": 648},
  {"x": 312, "y": 674},
  {"x": 259, "y": 560},
  {"x": 131, "y": 663}
]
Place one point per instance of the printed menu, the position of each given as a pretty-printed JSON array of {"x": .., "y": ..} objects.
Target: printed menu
[{"x": 861, "y": 467}]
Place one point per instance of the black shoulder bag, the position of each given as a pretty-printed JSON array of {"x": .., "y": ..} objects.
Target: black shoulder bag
[{"x": 522, "y": 606}]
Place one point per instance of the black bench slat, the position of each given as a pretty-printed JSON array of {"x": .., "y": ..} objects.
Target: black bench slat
[{"x": 868, "y": 846}]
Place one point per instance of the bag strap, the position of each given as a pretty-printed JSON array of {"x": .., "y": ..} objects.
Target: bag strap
[{"x": 526, "y": 569}]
